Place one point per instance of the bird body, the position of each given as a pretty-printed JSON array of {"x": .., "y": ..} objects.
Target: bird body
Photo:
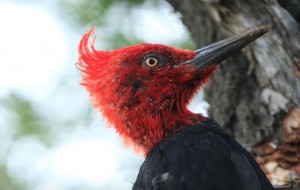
[
  {"x": 200, "y": 156},
  {"x": 143, "y": 92}
]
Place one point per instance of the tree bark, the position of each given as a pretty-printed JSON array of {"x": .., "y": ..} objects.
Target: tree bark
[{"x": 255, "y": 95}]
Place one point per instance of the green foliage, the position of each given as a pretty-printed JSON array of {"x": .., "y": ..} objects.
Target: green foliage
[
  {"x": 6, "y": 182},
  {"x": 112, "y": 14},
  {"x": 92, "y": 12},
  {"x": 186, "y": 44},
  {"x": 119, "y": 39},
  {"x": 25, "y": 118}
]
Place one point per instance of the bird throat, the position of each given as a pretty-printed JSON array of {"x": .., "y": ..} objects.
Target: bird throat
[{"x": 143, "y": 128}]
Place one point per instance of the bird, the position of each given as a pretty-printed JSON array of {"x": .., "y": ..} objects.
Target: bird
[{"x": 143, "y": 92}]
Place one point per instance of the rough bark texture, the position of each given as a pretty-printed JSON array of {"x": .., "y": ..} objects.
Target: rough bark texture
[{"x": 255, "y": 95}]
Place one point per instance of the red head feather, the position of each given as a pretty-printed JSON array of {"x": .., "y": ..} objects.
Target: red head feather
[{"x": 143, "y": 103}]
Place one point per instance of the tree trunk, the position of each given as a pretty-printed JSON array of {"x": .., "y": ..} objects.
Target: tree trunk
[{"x": 255, "y": 96}]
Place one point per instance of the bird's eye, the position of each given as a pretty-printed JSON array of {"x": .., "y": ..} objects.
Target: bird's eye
[{"x": 151, "y": 61}]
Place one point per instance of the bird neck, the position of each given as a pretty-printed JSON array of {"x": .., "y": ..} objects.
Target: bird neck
[{"x": 144, "y": 127}]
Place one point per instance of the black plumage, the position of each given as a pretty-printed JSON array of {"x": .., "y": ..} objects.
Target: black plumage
[{"x": 200, "y": 157}]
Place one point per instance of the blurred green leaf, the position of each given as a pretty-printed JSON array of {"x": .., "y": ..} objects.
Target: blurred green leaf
[
  {"x": 186, "y": 44},
  {"x": 92, "y": 12},
  {"x": 118, "y": 40},
  {"x": 7, "y": 182},
  {"x": 99, "y": 13},
  {"x": 26, "y": 119}
]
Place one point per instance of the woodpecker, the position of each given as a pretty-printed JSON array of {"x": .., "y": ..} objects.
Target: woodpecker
[{"x": 143, "y": 92}]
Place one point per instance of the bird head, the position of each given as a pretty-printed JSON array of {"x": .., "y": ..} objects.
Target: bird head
[{"x": 143, "y": 90}]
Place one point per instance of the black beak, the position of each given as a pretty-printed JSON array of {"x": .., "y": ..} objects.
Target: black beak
[{"x": 217, "y": 52}]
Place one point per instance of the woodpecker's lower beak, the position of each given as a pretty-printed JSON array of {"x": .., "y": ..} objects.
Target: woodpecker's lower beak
[{"x": 217, "y": 52}]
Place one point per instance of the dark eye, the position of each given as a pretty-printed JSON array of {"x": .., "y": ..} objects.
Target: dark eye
[{"x": 152, "y": 60}]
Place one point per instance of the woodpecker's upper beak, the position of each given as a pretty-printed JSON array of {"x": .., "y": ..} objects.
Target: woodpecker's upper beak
[{"x": 217, "y": 52}]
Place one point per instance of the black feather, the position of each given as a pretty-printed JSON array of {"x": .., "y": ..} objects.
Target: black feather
[{"x": 200, "y": 157}]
